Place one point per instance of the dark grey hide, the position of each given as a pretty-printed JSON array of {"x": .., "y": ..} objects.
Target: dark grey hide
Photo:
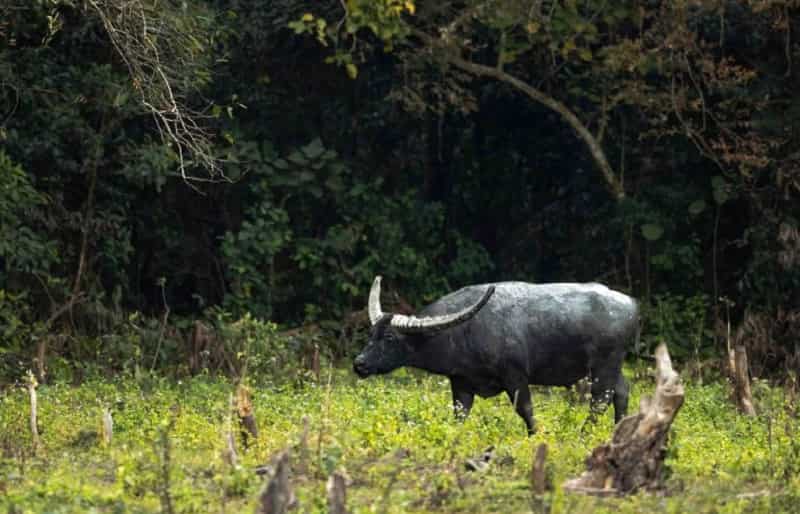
[{"x": 548, "y": 334}]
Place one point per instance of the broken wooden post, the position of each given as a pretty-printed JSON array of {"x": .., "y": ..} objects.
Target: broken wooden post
[
  {"x": 315, "y": 362},
  {"x": 247, "y": 419},
  {"x": 277, "y": 497},
  {"x": 302, "y": 447},
  {"x": 538, "y": 475},
  {"x": 337, "y": 494},
  {"x": 539, "y": 485},
  {"x": 39, "y": 360},
  {"x": 635, "y": 456},
  {"x": 229, "y": 454},
  {"x": 34, "y": 419},
  {"x": 741, "y": 381},
  {"x": 106, "y": 427}
]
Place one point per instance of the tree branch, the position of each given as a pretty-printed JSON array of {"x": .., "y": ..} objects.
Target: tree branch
[{"x": 595, "y": 148}]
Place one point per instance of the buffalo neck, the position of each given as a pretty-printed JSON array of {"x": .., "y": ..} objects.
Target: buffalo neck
[{"x": 435, "y": 353}]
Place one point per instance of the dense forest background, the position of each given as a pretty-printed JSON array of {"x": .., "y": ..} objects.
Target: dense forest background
[{"x": 172, "y": 169}]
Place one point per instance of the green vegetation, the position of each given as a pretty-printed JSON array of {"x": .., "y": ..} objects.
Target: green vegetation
[
  {"x": 199, "y": 191},
  {"x": 393, "y": 436}
]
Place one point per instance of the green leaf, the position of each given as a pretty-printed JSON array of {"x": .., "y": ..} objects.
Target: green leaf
[
  {"x": 720, "y": 196},
  {"x": 297, "y": 158},
  {"x": 314, "y": 149},
  {"x": 121, "y": 98},
  {"x": 652, "y": 232},
  {"x": 697, "y": 207}
]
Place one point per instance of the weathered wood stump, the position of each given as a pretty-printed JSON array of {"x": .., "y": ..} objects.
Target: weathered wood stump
[
  {"x": 540, "y": 484},
  {"x": 106, "y": 427},
  {"x": 34, "y": 415},
  {"x": 337, "y": 493},
  {"x": 538, "y": 472},
  {"x": 277, "y": 497},
  {"x": 247, "y": 418},
  {"x": 635, "y": 456},
  {"x": 741, "y": 382}
]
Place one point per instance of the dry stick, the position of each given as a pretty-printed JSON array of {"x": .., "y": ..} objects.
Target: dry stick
[
  {"x": 107, "y": 425},
  {"x": 315, "y": 362},
  {"x": 41, "y": 350},
  {"x": 229, "y": 455},
  {"x": 277, "y": 496},
  {"x": 302, "y": 466},
  {"x": 164, "y": 451},
  {"x": 744, "y": 397},
  {"x": 247, "y": 419},
  {"x": 34, "y": 411},
  {"x": 324, "y": 418},
  {"x": 539, "y": 503},
  {"x": 337, "y": 494},
  {"x": 163, "y": 326},
  {"x": 538, "y": 477}
]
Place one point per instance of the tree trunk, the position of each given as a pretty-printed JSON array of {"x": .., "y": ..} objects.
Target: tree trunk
[{"x": 634, "y": 458}]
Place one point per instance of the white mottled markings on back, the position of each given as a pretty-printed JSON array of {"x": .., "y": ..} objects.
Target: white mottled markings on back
[{"x": 523, "y": 290}]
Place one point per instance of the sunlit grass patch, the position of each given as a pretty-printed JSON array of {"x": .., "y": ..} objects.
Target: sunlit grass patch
[{"x": 393, "y": 436}]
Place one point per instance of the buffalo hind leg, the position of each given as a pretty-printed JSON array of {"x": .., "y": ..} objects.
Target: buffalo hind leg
[
  {"x": 521, "y": 399},
  {"x": 602, "y": 396},
  {"x": 462, "y": 399},
  {"x": 621, "y": 398}
]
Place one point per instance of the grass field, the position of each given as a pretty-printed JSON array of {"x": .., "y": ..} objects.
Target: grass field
[{"x": 393, "y": 436}]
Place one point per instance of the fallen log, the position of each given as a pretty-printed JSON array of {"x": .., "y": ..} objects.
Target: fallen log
[{"x": 634, "y": 459}]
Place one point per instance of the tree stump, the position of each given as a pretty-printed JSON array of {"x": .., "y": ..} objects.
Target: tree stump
[
  {"x": 538, "y": 472},
  {"x": 277, "y": 496},
  {"x": 635, "y": 456},
  {"x": 247, "y": 417},
  {"x": 34, "y": 414},
  {"x": 540, "y": 504},
  {"x": 741, "y": 381},
  {"x": 337, "y": 493},
  {"x": 106, "y": 427}
]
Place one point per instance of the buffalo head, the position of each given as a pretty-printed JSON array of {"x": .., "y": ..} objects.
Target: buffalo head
[{"x": 394, "y": 338}]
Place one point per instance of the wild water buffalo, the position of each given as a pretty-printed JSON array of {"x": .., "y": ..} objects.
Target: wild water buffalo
[{"x": 501, "y": 337}]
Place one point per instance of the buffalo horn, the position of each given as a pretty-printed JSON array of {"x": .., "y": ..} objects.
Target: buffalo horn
[
  {"x": 374, "y": 305},
  {"x": 431, "y": 323}
]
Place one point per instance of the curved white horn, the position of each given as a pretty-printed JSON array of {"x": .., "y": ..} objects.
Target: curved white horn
[
  {"x": 374, "y": 304},
  {"x": 415, "y": 324}
]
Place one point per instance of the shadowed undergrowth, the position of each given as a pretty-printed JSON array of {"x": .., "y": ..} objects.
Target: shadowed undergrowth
[{"x": 394, "y": 437}]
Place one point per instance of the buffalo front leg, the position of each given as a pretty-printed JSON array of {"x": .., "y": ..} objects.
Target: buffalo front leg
[
  {"x": 462, "y": 399},
  {"x": 521, "y": 400}
]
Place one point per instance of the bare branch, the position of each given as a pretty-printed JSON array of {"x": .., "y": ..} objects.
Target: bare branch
[
  {"x": 159, "y": 54},
  {"x": 595, "y": 148}
]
